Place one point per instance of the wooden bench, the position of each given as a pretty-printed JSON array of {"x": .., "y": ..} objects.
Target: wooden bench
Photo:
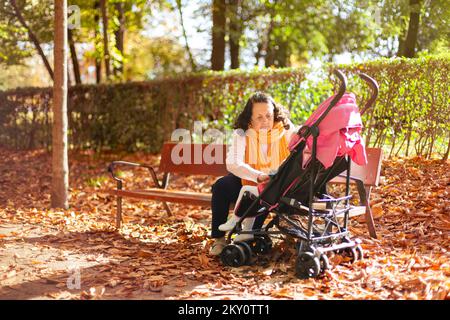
[{"x": 364, "y": 177}]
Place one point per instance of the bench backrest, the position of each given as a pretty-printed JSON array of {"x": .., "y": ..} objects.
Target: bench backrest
[
  {"x": 370, "y": 173},
  {"x": 209, "y": 159},
  {"x": 196, "y": 159}
]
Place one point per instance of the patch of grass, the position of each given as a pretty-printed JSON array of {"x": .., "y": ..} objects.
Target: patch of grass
[
  {"x": 120, "y": 174},
  {"x": 96, "y": 182}
]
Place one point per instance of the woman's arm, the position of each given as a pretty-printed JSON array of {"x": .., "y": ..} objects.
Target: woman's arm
[{"x": 235, "y": 160}]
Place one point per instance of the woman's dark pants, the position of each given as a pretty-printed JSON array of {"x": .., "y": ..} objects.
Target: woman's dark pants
[{"x": 225, "y": 191}]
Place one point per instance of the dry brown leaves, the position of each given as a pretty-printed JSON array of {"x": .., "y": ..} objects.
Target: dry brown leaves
[{"x": 155, "y": 256}]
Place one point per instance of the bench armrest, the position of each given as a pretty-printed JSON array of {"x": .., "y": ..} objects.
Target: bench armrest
[{"x": 113, "y": 164}]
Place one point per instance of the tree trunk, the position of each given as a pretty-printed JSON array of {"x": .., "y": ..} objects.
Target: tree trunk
[
  {"x": 401, "y": 146},
  {"x": 98, "y": 61},
  {"x": 445, "y": 158},
  {"x": 235, "y": 33},
  {"x": 393, "y": 146},
  {"x": 69, "y": 80},
  {"x": 119, "y": 34},
  {"x": 191, "y": 58},
  {"x": 430, "y": 148},
  {"x": 269, "y": 58},
  {"x": 73, "y": 55},
  {"x": 218, "y": 35},
  {"x": 409, "y": 46},
  {"x": 32, "y": 36},
  {"x": 104, "y": 9},
  {"x": 282, "y": 54},
  {"x": 258, "y": 53},
  {"x": 60, "y": 167},
  {"x": 408, "y": 142}
]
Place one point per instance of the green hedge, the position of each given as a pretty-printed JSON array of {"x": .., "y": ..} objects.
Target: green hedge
[
  {"x": 411, "y": 115},
  {"x": 137, "y": 115}
]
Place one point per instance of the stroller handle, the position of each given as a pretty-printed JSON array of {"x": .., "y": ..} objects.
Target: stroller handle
[
  {"x": 337, "y": 97},
  {"x": 343, "y": 85},
  {"x": 375, "y": 88}
]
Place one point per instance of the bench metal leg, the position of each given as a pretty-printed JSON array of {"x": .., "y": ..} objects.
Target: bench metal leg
[
  {"x": 119, "y": 206},
  {"x": 164, "y": 184},
  {"x": 166, "y": 206},
  {"x": 119, "y": 212}
]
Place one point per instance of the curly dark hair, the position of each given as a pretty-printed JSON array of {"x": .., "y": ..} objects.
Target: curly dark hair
[{"x": 244, "y": 118}]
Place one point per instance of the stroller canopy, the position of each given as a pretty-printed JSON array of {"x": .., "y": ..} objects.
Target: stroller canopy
[{"x": 339, "y": 132}]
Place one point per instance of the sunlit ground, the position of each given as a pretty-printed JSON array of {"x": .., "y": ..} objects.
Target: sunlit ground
[{"x": 78, "y": 254}]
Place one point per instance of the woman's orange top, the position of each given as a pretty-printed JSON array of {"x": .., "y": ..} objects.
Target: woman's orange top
[{"x": 277, "y": 149}]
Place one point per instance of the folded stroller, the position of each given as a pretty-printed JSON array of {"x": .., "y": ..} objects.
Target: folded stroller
[{"x": 296, "y": 194}]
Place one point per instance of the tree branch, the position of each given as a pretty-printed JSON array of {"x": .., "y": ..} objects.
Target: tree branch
[
  {"x": 191, "y": 59},
  {"x": 32, "y": 36}
]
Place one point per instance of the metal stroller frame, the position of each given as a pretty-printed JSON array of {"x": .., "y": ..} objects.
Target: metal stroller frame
[{"x": 312, "y": 242}]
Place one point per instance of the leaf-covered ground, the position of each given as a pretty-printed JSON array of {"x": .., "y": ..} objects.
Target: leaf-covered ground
[{"x": 78, "y": 254}]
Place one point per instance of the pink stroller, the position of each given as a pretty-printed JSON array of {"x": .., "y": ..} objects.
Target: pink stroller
[{"x": 296, "y": 194}]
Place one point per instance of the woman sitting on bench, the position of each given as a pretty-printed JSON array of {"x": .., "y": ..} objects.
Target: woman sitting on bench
[{"x": 259, "y": 146}]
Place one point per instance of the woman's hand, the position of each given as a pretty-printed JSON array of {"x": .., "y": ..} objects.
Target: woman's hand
[{"x": 262, "y": 178}]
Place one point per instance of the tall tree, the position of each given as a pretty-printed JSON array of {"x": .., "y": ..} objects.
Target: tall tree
[
  {"x": 106, "y": 56},
  {"x": 218, "y": 35},
  {"x": 98, "y": 61},
  {"x": 408, "y": 49},
  {"x": 73, "y": 55},
  {"x": 271, "y": 41},
  {"x": 119, "y": 36},
  {"x": 60, "y": 167},
  {"x": 235, "y": 32}
]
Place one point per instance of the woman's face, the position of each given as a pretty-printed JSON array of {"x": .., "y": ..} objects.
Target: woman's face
[{"x": 262, "y": 116}]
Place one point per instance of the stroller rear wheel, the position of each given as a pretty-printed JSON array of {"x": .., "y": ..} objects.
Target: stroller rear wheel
[
  {"x": 307, "y": 265},
  {"x": 351, "y": 253},
  {"x": 233, "y": 256}
]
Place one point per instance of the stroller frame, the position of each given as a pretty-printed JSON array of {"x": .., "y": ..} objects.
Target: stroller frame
[{"x": 312, "y": 244}]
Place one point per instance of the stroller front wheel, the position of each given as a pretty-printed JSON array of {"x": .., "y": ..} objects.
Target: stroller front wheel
[
  {"x": 307, "y": 265},
  {"x": 324, "y": 263},
  {"x": 359, "y": 252},
  {"x": 233, "y": 256},
  {"x": 247, "y": 251}
]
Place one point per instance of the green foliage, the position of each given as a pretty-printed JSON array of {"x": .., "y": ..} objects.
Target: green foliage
[
  {"x": 134, "y": 116},
  {"x": 15, "y": 44},
  {"x": 412, "y": 110},
  {"x": 96, "y": 182},
  {"x": 159, "y": 56},
  {"x": 411, "y": 114}
]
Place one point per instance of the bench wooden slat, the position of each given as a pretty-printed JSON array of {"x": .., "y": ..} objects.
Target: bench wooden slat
[{"x": 193, "y": 198}]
